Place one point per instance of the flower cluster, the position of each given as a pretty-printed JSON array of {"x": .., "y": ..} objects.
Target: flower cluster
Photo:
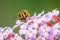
[
  {"x": 7, "y": 33},
  {"x": 38, "y": 27}
]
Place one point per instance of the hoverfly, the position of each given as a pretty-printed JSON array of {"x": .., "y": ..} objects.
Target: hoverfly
[{"x": 23, "y": 14}]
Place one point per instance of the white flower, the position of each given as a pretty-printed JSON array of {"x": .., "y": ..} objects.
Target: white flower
[
  {"x": 55, "y": 12},
  {"x": 57, "y": 25},
  {"x": 1, "y": 37},
  {"x": 43, "y": 38},
  {"x": 22, "y": 31},
  {"x": 24, "y": 26},
  {"x": 9, "y": 30},
  {"x": 47, "y": 17},
  {"x": 17, "y": 37},
  {"x": 46, "y": 34},
  {"x": 35, "y": 24},
  {"x": 32, "y": 32},
  {"x": 18, "y": 22},
  {"x": 45, "y": 29},
  {"x": 55, "y": 31}
]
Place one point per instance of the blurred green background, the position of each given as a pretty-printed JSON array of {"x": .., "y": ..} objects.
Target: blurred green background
[{"x": 10, "y": 8}]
